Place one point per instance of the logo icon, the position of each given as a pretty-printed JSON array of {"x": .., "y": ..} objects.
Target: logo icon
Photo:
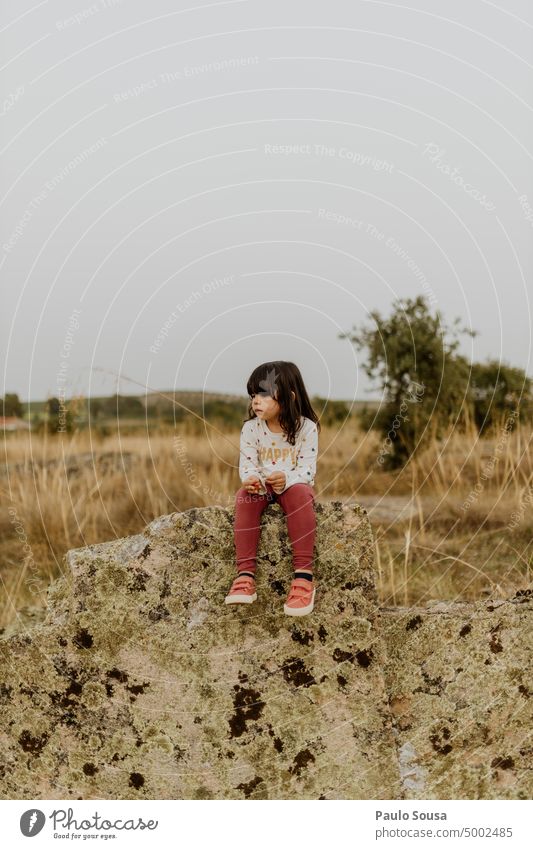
[{"x": 31, "y": 822}]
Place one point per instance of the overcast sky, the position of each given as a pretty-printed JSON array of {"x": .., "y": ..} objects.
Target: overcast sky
[{"x": 190, "y": 189}]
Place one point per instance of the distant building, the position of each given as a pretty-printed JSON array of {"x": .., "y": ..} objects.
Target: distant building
[{"x": 13, "y": 423}]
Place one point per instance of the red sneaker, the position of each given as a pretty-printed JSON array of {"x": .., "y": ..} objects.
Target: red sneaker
[
  {"x": 242, "y": 591},
  {"x": 301, "y": 598}
]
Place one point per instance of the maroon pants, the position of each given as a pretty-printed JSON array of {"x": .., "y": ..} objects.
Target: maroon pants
[{"x": 297, "y": 502}]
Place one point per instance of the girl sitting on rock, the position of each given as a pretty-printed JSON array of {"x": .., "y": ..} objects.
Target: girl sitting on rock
[{"x": 279, "y": 447}]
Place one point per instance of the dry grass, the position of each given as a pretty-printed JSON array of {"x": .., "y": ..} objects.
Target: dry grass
[{"x": 69, "y": 491}]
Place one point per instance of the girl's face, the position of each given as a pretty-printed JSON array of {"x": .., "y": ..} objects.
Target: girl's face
[{"x": 265, "y": 407}]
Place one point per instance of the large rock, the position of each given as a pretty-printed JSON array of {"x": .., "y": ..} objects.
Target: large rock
[{"x": 141, "y": 683}]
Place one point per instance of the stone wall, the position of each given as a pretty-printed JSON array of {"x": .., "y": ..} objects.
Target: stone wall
[{"x": 141, "y": 683}]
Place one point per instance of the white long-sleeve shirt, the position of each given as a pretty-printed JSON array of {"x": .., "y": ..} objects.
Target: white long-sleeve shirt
[{"x": 263, "y": 452}]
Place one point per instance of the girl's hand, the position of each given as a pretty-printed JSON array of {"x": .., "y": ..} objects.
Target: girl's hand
[
  {"x": 277, "y": 480},
  {"x": 252, "y": 485}
]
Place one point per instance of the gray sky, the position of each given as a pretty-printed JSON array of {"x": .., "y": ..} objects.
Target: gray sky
[{"x": 188, "y": 193}]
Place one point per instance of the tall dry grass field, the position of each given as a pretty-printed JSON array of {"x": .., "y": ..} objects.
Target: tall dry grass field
[{"x": 456, "y": 523}]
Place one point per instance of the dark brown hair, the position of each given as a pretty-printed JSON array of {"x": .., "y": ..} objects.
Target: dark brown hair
[{"x": 277, "y": 379}]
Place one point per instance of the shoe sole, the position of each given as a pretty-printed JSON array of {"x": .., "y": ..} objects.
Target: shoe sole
[
  {"x": 300, "y": 611},
  {"x": 239, "y": 598}
]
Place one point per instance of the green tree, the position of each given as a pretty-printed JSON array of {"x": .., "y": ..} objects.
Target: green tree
[
  {"x": 424, "y": 382},
  {"x": 11, "y": 405},
  {"x": 496, "y": 390}
]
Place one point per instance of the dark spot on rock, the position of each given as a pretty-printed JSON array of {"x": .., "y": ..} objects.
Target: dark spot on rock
[
  {"x": 248, "y": 707},
  {"x": 321, "y": 797},
  {"x": 301, "y": 761},
  {"x": 197, "y": 720},
  {"x": 341, "y": 680},
  {"x": 243, "y": 678},
  {"x": 74, "y": 689},
  {"x": 278, "y": 587},
  {"x": 5, "y": 692},
  {"x": 303, "y": 638},
  {"x": 341, "y": 606},
  {"x": 349, "y": 585},
  {"x": 495, "y": 644},
  {"x": 414, "y": 623},
  {"x": 324, "y": 678},
  {"x": 295, "y": 672},
  {"x": 340, "y": 656},
  {"x": 433, "y": 686},
  {"x": 179, "y": 753},
  {"x": 33, "y": 744},
  {"x": 524, "y": 690},
  {"x": 465, "y": 630},
  {"x": 62, "y": 641},
  {"x": 503, "y": 763},
  {"x": 109, "y": 689},
  {"x": 319, "y": 507},
  {"x": 145, "y": 552},
  {"x": 490, "y": 607},
  {"x": 63, "y": 699},
  {"x": 83, "y": 640},
  {"x": 90, "y": 769},
  {"x": 230, "y": 754},
  {"x": 522, "y": 593},
  {"x": 157, "y": 613},
  {"x": 136, "y": 780},
  {"x": 322, "y": 634},
  {"x": 438, "y": 743},
  {"x": 488, "y": 662},
  {"x": 364, "y": 657},
  {"x": 138, "y": 581},
  {"x": 118, "y": 675},
  {"x": 249, "y": 788},
  {"x": 137, "y": 688},
  {"x": 278, "y": 745}
]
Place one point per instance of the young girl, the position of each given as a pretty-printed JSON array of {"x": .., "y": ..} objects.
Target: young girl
[{"x": 279, "y": 446}]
